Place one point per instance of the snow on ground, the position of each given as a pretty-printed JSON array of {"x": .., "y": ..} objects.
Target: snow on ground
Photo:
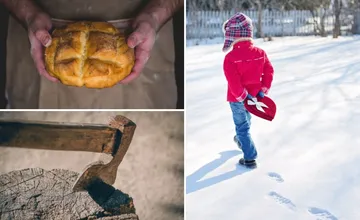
[
  {"x": 309, "y": 156},
  {"x": 207, "y": 41}
]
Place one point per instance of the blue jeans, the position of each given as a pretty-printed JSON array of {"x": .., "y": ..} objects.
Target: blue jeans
[{"x": 242, "y": 121}]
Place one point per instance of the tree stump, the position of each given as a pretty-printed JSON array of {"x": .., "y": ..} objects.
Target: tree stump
[{"x": 41, "y": 194}]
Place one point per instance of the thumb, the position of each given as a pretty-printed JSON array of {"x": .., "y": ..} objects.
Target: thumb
[
  {"x": 40, "y": 25},
  {"x": 141, "y": 30},
  {"x": 135, "y": 39},
  {"x": 43, "y": 36}
]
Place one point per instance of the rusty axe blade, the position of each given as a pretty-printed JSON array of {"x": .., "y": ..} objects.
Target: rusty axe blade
[{"x": 107, "y": 172}]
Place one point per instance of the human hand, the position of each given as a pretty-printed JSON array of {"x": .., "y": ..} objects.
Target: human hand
[
  {"x": 261, "y": 94},
  {"x": 142, "y": 39},
  {"x": 249, "y": 96},
  {"x": 39, "y": 26}
]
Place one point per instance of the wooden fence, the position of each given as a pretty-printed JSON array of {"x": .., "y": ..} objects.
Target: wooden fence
[{"x": 208, "y": 24}]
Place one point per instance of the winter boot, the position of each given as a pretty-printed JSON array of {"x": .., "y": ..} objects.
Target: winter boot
[
  {"x": 237, "y": 142},
  {"x": 248, "y": 163}
]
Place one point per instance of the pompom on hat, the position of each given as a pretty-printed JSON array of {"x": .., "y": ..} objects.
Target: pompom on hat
[{"x": 238, "y": 28}]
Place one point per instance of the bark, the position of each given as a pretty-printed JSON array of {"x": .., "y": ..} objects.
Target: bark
[
  {"x": 337, "y": 24},
  {"x": 322, "y": 25},
  {"x": 319, "y": 27},
  {"x": 259, "y": 32},
  {"x": 316, "y": 26},
  {"x": 40, "y": 194},
  {"x": 356, "y": 25}
]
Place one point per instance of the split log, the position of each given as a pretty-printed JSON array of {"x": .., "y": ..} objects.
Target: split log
[{"x": 40, "y": 194}]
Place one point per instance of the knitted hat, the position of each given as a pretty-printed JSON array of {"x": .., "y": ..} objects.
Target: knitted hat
[{"x": 237, "y": 28}]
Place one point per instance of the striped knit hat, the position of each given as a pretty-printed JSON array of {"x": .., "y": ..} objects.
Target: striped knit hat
[{"x": 237, "y": 28}]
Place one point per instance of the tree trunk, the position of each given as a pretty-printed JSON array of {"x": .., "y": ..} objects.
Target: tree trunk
[
  {"x": 40, "y": 194},
  {"x": 259, "y": 32},
  {"x": 356, "y": 25},
  {"x": 337, "y": 25},
  {"x": 322, "y": 23},
  {"x": 316, "y": 25}
]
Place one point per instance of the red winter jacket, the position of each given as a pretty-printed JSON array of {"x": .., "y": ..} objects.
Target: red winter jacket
[{"x": 247, "y": 70}]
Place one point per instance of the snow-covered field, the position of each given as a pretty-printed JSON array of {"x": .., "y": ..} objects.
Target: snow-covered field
[{"x": 309, "y": 156}]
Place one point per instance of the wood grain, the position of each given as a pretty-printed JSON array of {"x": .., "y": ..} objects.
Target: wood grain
[
  {"x": 59, "y": 136},
  {"x": 40, "y": 194}
]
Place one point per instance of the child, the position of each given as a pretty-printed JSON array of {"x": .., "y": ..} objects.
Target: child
[{"x": 249, "y": 73}]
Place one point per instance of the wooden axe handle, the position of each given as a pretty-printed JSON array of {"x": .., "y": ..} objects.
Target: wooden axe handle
[{"x": 59, "y": 136}]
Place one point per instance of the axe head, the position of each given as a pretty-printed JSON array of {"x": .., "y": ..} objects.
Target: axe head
[
  {"x": 95, "y": 170},
  {"x": 107, "y": 172}
]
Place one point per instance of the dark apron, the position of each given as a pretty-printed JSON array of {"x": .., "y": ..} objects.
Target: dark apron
[
  {"x": 154, "y": 89},
  {"x": 4, "y": 20}
]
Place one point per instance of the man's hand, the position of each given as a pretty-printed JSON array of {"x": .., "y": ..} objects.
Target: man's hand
[
  {"x": 142, "y": 39},
  {"x": 38, "y": 30},
  {"x": 38, "y": 25},
  {"x": 146, "y": 25}
]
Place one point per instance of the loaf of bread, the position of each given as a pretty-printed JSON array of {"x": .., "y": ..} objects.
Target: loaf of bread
[{"x": 90, "y": 54}]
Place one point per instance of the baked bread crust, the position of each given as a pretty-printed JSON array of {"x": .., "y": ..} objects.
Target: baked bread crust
[{"x": 90, "y": 54}]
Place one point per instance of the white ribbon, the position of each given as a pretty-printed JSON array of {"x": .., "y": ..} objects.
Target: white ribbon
[{"x": 258, "y": 104}]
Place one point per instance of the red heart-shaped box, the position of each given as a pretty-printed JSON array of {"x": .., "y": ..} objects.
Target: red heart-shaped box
[{"x": 264, "y": 108}]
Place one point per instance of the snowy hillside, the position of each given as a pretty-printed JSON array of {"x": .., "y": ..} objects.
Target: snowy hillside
[{"x": 309, "y": 156}]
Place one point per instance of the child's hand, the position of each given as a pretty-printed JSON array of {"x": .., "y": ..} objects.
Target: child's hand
[
  {"x": 261, "y": 94},
  {"x": 249, "y": 96}
]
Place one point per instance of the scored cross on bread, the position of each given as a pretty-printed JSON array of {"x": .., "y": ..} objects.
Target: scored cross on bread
[{"x": 90, "y": 54}]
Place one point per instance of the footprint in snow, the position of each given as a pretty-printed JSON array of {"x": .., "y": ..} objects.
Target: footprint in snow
[
  {"x": 276, "y": 177},
  {"x": 321, "y": 214},
  {"x": 282, "y": 200}
]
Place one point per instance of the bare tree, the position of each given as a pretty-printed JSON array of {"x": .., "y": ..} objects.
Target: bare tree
[
  {"x": 259, "y": 33},
  {"x": 260, "y": 5},
  {"x": 319, "y": 10},
  {"x": 337, "y": 11},
  {"x": 353, "y": 7}
]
